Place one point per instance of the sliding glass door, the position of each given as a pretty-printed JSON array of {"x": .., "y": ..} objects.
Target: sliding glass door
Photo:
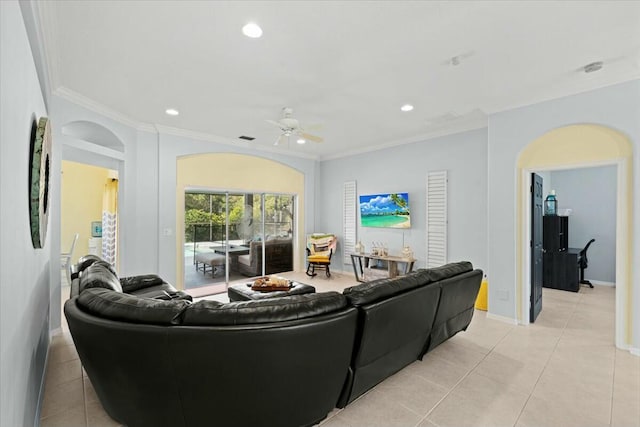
[{"x": 235, "y": 236}]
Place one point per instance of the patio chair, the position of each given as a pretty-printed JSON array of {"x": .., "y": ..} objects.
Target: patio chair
[{"x": 320, "y": 248}]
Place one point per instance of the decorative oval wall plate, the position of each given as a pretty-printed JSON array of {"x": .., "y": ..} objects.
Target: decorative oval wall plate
[{"x": 39, "y": 182}]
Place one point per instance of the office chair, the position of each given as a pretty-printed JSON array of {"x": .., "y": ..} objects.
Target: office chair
[{"x": 583, "y": 263}]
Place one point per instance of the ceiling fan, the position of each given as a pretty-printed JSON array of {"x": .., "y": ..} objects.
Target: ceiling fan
[{"x": 290, "y": 126}]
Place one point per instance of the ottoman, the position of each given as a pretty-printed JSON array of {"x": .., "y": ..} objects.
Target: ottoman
[
  {"x": 209, "y": 259},
  {"x": 243, "y": 292}
]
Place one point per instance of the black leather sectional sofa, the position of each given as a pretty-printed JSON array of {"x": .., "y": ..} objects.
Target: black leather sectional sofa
[{"x": 158, "y": 361}]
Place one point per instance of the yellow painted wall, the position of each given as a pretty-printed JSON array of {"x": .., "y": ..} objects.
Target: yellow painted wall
[
  {"x": 82, "y": 191},
  {"x": 573, "y": 146},
  {"x": 227, "y": 171}
]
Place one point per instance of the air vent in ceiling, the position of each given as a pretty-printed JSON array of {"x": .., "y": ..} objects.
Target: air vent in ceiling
[{"x": 246, "y": 138}]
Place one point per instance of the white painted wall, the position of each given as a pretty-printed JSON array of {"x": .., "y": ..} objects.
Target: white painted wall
[
  {"x": 510, "y": 131},
  {"x": 591, "y": 194},
  {"x": 404, "y": 169},
  {"x": 25, "y": 272}
]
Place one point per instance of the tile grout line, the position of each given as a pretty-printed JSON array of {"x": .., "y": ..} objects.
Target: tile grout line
[
  {"x": 613, "y": 384},
  {"x": 424, "y": 418},
  {"x": 546, "y": 363},
  {"x": 84, "y": 397}
]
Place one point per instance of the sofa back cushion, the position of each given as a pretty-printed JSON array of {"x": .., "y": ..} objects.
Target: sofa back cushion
[
  {"x": 128, "y": 308},
  {"x": 367, "y": 293},
  {"x": 457, "y": 301},
  {"x": 214, "y": 313},
  {"x": 86, "y": 260},
  {"x": 99, "y": 275},
  {"x": 448, "y": 270}
]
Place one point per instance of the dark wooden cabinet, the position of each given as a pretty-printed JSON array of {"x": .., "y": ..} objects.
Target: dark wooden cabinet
[{"x": 559, "y": 262}]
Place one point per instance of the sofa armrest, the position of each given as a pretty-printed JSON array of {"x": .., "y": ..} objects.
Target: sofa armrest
[{"x": 133, "y": 283}]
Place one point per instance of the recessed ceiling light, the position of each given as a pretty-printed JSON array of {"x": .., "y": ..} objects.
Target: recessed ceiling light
[
  {"x": 301, "y": 141},
  {"x": 406, "y": 107},
  {"x": 252, "y": 30},
  {"x": 172, "y": 111}
]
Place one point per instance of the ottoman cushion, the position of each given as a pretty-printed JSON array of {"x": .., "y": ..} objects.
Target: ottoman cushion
[{"x": 243, "y": 292}]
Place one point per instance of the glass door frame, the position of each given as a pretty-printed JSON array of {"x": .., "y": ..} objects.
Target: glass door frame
[{"x": 262, "y": 197}]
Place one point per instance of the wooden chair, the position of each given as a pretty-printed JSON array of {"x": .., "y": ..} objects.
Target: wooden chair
[{"x": 320, "y": 248}]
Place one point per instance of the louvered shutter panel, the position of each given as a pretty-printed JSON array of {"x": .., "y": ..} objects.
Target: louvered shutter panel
[
  {"x": 350, "y": 218},
  {"x": 436, "y": 218}
]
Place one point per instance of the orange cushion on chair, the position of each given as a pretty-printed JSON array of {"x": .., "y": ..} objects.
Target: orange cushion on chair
[{"x": 319, "y": 259}]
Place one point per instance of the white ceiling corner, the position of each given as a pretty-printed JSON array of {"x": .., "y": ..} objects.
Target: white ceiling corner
[{"x": 131, "y": 61}]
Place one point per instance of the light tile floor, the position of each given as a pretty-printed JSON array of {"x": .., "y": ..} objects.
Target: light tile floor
[{"x": 561, "y": 371}]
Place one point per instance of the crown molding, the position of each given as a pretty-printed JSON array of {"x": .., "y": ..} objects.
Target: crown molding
[
  {"x": 207, "y": 137},
  {"x": 88, "y": 103},
  {"x": 575, "y": 89},
  {"x": 96, "y": 107},
  {"x": 46, "y": 24},
  {"x": 444, "y": 131}
]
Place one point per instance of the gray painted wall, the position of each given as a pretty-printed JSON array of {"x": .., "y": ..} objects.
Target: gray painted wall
[
  {"x": 404, "y": 169},
  {"x": 24, "y": 271},
  {"x": 170, "y": 147},
  {"x": 591, "y": 194},
  {"x": 616, "y": 106},
  {"x": 148, "y": 181}
]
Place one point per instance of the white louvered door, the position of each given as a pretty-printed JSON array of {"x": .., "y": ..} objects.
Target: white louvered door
[
  {"x": 436, "y": 218},
  {"x": 350, "y": 218}
]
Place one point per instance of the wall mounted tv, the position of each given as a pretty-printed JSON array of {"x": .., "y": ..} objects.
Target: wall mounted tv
[{"x": 390, "y": 210}]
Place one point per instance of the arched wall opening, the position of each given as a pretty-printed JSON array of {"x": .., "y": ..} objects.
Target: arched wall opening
[
  {"x": 569, "y": 147},
  {"x": 242, "y": 173},
  {"x": 92, "y": 144}
]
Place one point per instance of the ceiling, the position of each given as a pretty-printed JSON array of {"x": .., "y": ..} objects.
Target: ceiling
[{"x": 345, "y": 67}]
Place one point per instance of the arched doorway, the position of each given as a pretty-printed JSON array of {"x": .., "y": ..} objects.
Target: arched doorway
[
  {"x": 97, "y": 147},
  {"x": 579, "y": 146}
]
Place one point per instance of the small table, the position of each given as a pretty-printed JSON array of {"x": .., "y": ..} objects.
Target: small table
[
  {"x": 233, "y": 250},
  {"x": 392, "y": 264},
  {"x": 243, "y": 292},
  {"x": 234, "y": 253}
]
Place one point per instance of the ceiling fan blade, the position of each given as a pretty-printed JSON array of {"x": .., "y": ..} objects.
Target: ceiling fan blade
[
  {"x": 273, "y": 122},
  {"x": 313, "y": 127},
  {"x": 311, "y": 137},
  {"x": 278, "y": 140}
]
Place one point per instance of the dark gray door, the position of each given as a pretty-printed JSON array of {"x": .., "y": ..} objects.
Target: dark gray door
[{"x": 536, "y": 247}]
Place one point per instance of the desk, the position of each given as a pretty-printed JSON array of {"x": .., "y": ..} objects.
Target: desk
[
  {"x": 392, "y": 264},
  {"x": 233, "y": 250},
  {"x": 561, "y": 270}
]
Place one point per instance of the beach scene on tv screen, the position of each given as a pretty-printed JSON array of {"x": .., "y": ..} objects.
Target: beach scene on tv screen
[{"x": 385, "y": 210}]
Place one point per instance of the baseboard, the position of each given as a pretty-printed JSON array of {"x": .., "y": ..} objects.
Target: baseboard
[
  {"x": 53, "y": 332},
  {"x": 36, "y": 421},
  {"x": 504, "y": 319},
  {"x": 601, "y": 283}
]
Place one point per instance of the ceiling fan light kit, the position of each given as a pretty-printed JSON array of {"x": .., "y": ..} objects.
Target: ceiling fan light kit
[
  {"x": 252, "y": 30},
  {"x": 290, "y": 126}
]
